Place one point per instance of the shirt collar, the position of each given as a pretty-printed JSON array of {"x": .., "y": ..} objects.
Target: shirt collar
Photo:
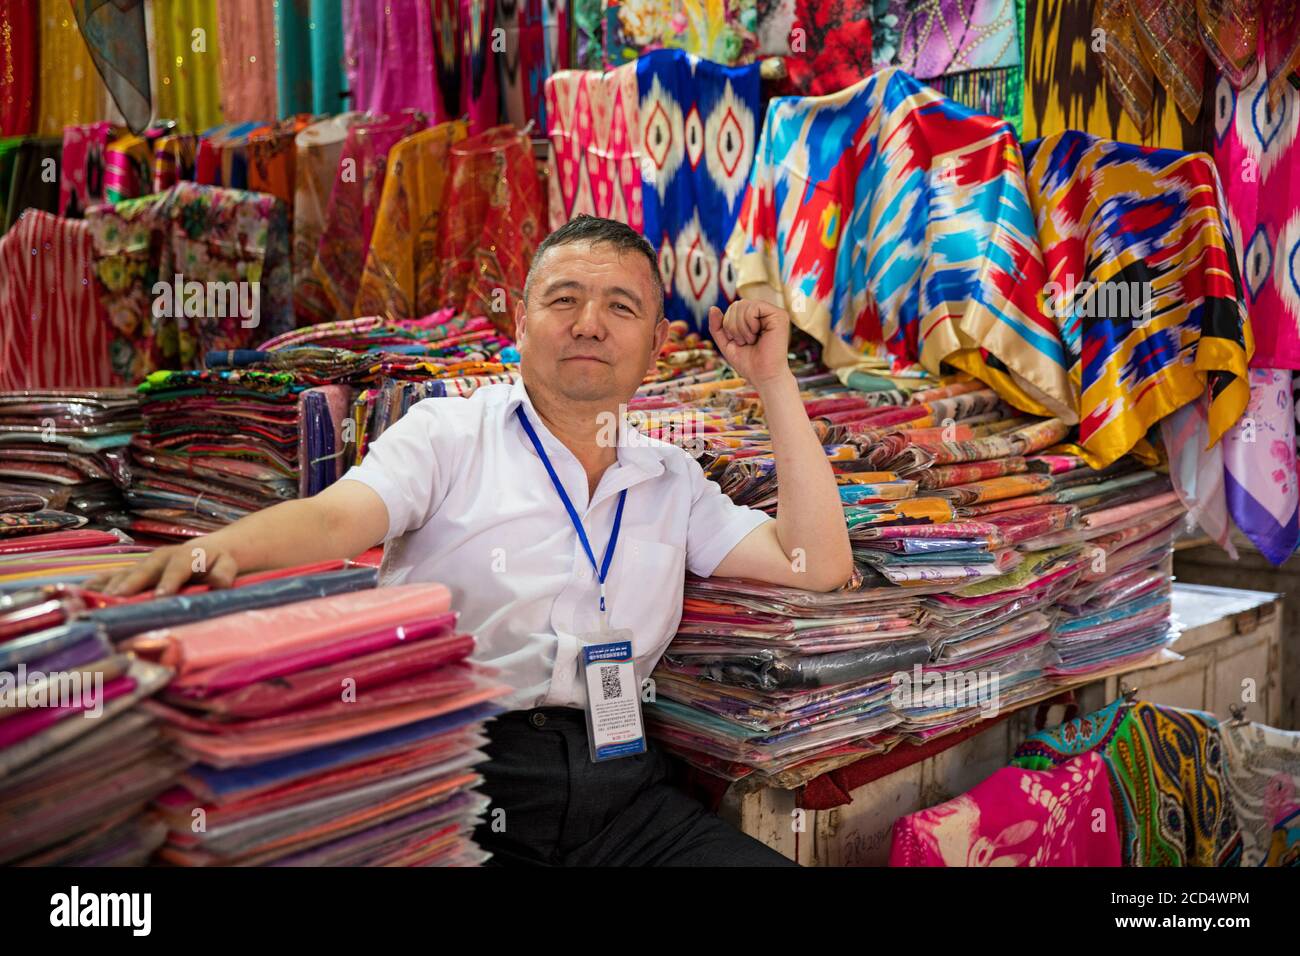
[{"x": 634, "y": 449}]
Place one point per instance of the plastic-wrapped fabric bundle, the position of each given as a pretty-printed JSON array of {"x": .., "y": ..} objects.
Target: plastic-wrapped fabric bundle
[
  {"x": 126, "y": 620},
  {"x": 768, "y": 670}
]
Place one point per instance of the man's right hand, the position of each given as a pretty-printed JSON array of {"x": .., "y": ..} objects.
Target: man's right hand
[
  {"x": 341, "y": 522},
  {"x": 204, "y": 560}
]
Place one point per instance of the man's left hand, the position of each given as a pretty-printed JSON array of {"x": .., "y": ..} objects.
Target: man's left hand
[{"x": 754, "y": 338}]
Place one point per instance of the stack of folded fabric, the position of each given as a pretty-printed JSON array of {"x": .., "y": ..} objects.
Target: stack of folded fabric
[
  {"x": 62, "y": 458},
  {"x": 63, "y": 557},
  {"x": 79, "y": 760},
  {"x": 993, "y": 565},
  {"x": 340, "y": 730}
]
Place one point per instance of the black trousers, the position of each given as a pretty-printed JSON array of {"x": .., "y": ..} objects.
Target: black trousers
[{"x": 560, "y": 809}]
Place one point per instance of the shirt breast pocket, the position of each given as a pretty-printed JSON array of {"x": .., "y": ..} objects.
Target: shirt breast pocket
[{"x": 651, "y": 577}]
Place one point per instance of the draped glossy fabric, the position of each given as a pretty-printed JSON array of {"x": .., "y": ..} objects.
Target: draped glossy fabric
[
  {"x": 70, "y": 91},
  {"x": 847, "y": 197}
]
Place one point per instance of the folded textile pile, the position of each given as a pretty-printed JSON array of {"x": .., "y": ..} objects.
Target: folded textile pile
[
  {"x": 339, "y": 730},
  {"x": 62, "y": 458},
  {"x": 993, "y": 566},
  {"x": 63, "y": 557},
  {"x": 79, "y": 759}
]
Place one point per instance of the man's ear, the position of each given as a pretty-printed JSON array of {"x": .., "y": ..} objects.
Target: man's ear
[
  {"x": 661, "y": 336},
  {"x": 520, "y": 315}
]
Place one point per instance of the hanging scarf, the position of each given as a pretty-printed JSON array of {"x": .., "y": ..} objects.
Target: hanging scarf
[
  {"x": 189, "y": 79},
  {"x": 1169, "y": 35},
  {"x": 1196, "y": 470},
  {"x": 70, "y": 92},
  {"x": 894, "y": 226},
  {"x": 1230, "y": 34},
  {"x": 828, "y": 47},
  {"x": 1066, "y": 88},
  {"x": 698, "y": 134},
  {"x": 1121, "y": 225},
  {"x": 1255, "y": 150},
  {"x": 319, "y": 148},
  {"x": 1259, "y": 457},
  {"x": 403, "y": 270},
  {"x": 596, "y": 159},
  {"x": 118, "y": 43},
  {"x": 395, "y": 63},
  {"x": 1280, "y": 31},
  {"x": 309, "y": 63},
  {"x": 248, "y": 81}
]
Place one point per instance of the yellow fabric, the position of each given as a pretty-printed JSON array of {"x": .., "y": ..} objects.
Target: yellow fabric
[
  {"x": 70, "y": 91},
  {"x": 187, "y": 80},
  {"x": 403, "y": 270}
]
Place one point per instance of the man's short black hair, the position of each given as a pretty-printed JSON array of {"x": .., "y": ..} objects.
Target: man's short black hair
[{"x": 594, "y": 229}]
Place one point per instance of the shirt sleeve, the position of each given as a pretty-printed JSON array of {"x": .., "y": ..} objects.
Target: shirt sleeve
[
  {"x": 717, "y": 524},
  {"x": 408, "y": 466}
]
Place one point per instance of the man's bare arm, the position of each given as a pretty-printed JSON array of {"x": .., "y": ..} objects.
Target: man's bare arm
[
  {"x": 808, "y": 544},
  {"x": 341, "y": 522}
]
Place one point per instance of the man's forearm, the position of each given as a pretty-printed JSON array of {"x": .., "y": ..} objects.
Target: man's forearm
[{"x": 809, "y": 517}]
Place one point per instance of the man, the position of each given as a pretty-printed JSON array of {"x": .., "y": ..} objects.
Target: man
[{"x": 468, "y": 492}]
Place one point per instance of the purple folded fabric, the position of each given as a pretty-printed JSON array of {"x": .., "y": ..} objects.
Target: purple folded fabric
[{"x": 94, "y": 648}]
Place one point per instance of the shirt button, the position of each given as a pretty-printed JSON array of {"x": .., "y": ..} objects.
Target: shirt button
[{"x": 538, "y": 719}]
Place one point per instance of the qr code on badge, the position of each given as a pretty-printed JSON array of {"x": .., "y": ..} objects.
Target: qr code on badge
[{"x": 610, "y": 686}]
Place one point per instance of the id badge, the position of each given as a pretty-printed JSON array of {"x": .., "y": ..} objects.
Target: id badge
[{"x": 614, "y": 727}]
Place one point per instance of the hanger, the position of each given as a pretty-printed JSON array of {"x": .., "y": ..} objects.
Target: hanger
[
  {"x": 1239, "y": 718},
  {"x": 1129, "y": 694}
]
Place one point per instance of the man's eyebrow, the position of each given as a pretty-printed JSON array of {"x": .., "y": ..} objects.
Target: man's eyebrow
[{"x": 558, "y": 285}]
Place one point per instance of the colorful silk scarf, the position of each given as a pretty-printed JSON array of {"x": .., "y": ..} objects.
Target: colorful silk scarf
[
  {"x": 81, "y": 184},
  {"x": 596, "y": 155},
  {"x": 1016, "y": 818},
  {"x": 248, "y": 81},
  {"x": 894, "y": 226},
  {"x": 969, "y": 50},
  {"x": 1065, "y": 88},
  {"x": 118, "y": 44},
  {"x": 1259, "y": 457},
  {"x": 536, "y": 45},
  {"x": 1264, "y": 777},
  {"x": 403, "y": 269},
  {"x": 18, "y": 50},
  {"x": 1167, "y": 775},
  {"x": 309, "y": 63},
  {"x": 53, "y": 330},
  {"x": 189, "y": 79},
  {"x": 698, "y": 131},
  {"x": 499, "y": 219},
  {"x": 358, "y": 185},
  {"x": 1259, "y": 165},
  {"x": 1169, "y": 36},
  {"x": 1129, "y": 232},
  {"x": 1280, "y": 33},
  {"x": 827, "y": 47},
  {"x": 721, "y": 31},
  {"x": 1230, "y": 33}
]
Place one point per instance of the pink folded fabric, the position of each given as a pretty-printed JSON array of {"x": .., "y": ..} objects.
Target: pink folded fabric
[
  {"x": 1102, "y": 519},
  {"x": 300, "y": 688},
  {"x": 241, "y": 673},
  {"x": 269, "y": 631},
  {"x": 34, "y": 721}
]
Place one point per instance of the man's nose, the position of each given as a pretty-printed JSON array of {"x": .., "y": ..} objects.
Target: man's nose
[{"x": 589, "y": 322}]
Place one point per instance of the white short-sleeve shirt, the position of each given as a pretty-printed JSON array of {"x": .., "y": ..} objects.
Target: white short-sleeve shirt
[{"x": 470, "y": 505}]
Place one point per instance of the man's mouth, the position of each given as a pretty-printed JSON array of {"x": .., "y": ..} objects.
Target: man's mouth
[{"x": 586, "y": 358}]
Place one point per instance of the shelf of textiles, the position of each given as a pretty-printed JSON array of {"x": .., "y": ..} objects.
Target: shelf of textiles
[
  {"x": 991, "y": 560},
  {"x": 209, "y": 728}
]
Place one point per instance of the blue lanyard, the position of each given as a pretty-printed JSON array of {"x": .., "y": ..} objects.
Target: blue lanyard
[{"x": 603, "y": 571}]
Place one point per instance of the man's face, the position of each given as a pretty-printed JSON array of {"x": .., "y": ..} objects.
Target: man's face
[{"x": 591, "y": 330}]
